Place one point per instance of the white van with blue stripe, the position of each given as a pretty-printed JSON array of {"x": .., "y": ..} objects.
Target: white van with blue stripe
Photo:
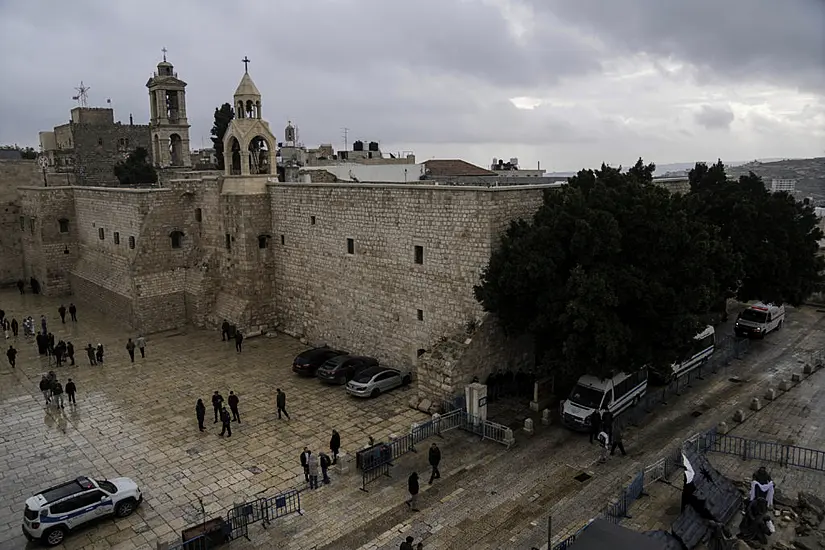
[{"x": 51, "y": 514}]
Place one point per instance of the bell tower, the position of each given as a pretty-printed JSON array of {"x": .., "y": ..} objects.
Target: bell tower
[{"x": 168, "y": 125}]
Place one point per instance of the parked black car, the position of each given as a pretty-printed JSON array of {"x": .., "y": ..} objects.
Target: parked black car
[
  {"x": 307, "y": 362},
  {"x": 342, "y": 369}
]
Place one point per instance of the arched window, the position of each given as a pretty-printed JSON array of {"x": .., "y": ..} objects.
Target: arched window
[
  {"x": 177, "y": 239},
  {"x": 64, "y": 225},
  {"x": 198, "y": 215}
]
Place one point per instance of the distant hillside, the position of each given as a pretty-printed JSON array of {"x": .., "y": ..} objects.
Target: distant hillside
[{"x": 809, "y": 173}]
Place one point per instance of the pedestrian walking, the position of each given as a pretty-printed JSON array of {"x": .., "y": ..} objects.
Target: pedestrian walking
[
  {"x": 90, "y": 351},
  {"x": 43, "y": 324},
  {"x": 99, "y": 353},
  {"x": 141, "y": 344},
  {"x": 130, "y": 347},
  {"x": 238, "y": 340},
  {"x": 11, "y": 353},
  {"x": 325, "y": 463},
  {"x": 15, "y": 327},
  {"x": 335, "y": 446},
  {"x": 280, "y": 400},
  {"x": 412, "y": 487},
  {"x": 305, "y": 454},
  {"x": 227, "y": 423},
  {"x": 57, "y": 393},
  {"x": 70, "y": 352},
  {"x": 71, "y": 389},
  {"x": 595, "y": 424},
  {"x": 225, "y": 330},
  {"x": 407, "y": 544},
  {"x": 6, "y": 329},
  {"x": 312, "y": 467},
  {"x": 604, "y": 446},
  {"x": 616, "y": 436},
  {"x": 233, "y": 406},
  {"x": 217, "y": 404},
  {"x": 73, "y": 312},
  {"x": 58, "y": 351},
  {"x": 62, "y": 312},
  {"x": 46, "y": 389},
  {"x": 200, "y": 412},
  {"x": 21, "y": 286},
  {"x": 435, "y": 458}
]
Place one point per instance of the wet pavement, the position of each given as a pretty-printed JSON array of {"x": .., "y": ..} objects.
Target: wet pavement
[{"x": 138, "y": 420}]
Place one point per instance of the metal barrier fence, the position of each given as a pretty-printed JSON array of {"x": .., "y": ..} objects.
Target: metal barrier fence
[
  {"x": 382, "y": 469},
  {"x": 279, "y": 506},
  {"x": 785, "y": 455},
  {"x": 201, "y": 542},
  {"x": 488, "y": 430}
]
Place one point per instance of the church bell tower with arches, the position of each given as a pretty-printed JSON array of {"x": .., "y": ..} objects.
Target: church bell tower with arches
[{"x": 168, "y": 125}]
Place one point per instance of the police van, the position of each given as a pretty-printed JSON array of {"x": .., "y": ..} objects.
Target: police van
[
  {"x": 51, "y": 514},
  {"x": 759, "y": 319},
  {"x": 591, "y": 394},
  {"x": 702, "y": 347}
]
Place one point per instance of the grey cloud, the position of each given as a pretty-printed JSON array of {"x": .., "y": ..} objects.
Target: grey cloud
[
  {"x": 782, "y": 42},
  {"x": 714, "y": 118}
]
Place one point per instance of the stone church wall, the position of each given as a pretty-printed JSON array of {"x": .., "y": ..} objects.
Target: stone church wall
[
  {"x": 14, "y": 174},
  {"x": 378, "y": 300},
  {"x": 97, "y": 150}
]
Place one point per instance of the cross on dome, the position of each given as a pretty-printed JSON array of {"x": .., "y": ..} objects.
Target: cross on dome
[{"x": 245, "y": 62}]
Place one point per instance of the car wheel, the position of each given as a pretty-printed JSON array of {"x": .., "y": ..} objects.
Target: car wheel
[
  {"x": 125, "y": 508},
  {"x": 375, "y": 393},
  {"x": 54, "y": 536},
  {"x": 406, "y": 380}
]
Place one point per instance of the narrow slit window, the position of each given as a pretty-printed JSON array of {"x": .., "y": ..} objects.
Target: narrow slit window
[{"x": 419, "y": 254}]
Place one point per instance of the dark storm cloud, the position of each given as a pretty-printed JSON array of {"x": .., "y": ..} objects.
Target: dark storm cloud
[
  {"x": 714, "y": 118},
  {"x": 777, "y": 41}
]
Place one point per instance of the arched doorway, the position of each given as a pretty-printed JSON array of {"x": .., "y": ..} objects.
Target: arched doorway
[
  {"x": 235, "y": 147},
  {"x": 259, "y": 161},
  {"x": 176, "y": 150}
]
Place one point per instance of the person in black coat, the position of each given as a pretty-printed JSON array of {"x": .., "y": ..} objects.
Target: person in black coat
[
  {"x": 233, "y": 406},
  {"x": 11, "y": 353},
  {"x": 217, "y": 404},
  {"x": 607, "y": 422},
  {"x": 70, "y": 352},
  {"x": 305, "y": 462},
  {"x": 200, "y": 412},
  {"x": 238, "y": 341},
  {"x": 226, "y": 421},
  {"x": 595, "y": 424},
  {"x": 412, "y": 487},
  {"x": 435, "y": 458},
  {"x": 335, "y": 446}
]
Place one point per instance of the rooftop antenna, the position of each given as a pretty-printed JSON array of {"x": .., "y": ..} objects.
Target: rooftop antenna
[
  {"x": 345, "y": 132},
  {"x": 82, "y": 95}
]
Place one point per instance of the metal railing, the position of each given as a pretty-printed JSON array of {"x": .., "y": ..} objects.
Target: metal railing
[
  {"x": 785, "y": 455},
  {"x": 488, "y": 430},
  {"x": 201, "y": 542},
  {"x": 377, "y": 471}
]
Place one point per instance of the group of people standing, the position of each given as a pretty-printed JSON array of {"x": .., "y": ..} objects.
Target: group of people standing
[
  {"x": 312, "y": 463},
  {"x": 53, "y": 390},
  {"x": 607, "y": 432}
]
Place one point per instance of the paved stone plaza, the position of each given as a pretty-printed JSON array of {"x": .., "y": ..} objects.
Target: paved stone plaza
[{"x": 139, "y": 421}]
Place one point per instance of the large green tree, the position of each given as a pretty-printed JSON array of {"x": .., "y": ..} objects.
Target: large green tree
[
  {"x": 223, "y": 116},
  {"x": 136, "y": 169},
  {"x": 611, "y": 274},
  {"x": 775, "y": 236}
]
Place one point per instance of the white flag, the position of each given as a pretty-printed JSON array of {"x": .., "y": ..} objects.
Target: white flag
[{"x": 689, "y": 473}]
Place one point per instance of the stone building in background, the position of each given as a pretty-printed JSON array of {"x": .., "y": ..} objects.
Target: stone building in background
[
  {"x": 168, "y": 124},
  {"x": 382, "y": 269}
]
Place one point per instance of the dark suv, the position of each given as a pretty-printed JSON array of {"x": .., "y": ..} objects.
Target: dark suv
[
  {"x": 342, "y": 369},
  {"x": 306, "y": 363}
]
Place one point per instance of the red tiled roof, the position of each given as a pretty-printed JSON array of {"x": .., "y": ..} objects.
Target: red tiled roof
[{"x": 454, "y": 167}]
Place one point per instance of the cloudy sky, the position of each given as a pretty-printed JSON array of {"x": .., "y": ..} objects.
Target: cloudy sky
[{"x": 569, "y": 83}]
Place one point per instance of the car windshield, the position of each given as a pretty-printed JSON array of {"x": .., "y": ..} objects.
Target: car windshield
[
  {"x": 107, "y": 486},
  {"x": 585, "y": 397},
  {"x": 754, "y": 315}
]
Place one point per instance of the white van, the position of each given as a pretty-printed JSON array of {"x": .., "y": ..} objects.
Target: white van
[
  {"x": 701, "y": 349},
  {"x": 759, "y": 319},
  {"x": 592, "y": 393}
]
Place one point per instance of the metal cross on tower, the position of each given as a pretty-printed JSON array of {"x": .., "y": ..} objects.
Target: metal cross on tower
[
  {"x": 164, "y": 50},
  {"x": 82, "y": 94},
  {"x": 245, "y": 62}
]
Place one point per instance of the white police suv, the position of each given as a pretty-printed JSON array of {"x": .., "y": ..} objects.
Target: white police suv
[{"x": 51, "y": 514}]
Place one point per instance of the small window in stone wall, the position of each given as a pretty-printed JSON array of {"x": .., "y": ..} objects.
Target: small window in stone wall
[
  {"x": 263, "y": 241},
  {"x": 312, "y": 220},
  {"x": 228, "y": 241},
  {"x": 117, "y": 237},
  {"x": 101, "y": 233},
  {"x": 177, "y": 239},
  {"x": 100, "y": 141},
  {"x": 419, "y": 254},
  {"x": 283, "y": 240},
  {"x": 31, "y": 226},
  {"x": 198, "y": 215},
  {"x": 22, "y": 223},
  {"x": 350, "y": 246},
  {"x": 420, "y": 352},
  {"x": 64, "y": 225},
  {"x": 132, "y": 243},
  {"x": 420, "y": 314}
]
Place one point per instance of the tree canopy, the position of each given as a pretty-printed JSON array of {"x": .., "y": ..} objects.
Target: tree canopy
[
  {"x": 223, "y": 116},
  {"x": 136, "y": 169},
  {"x": 25, "y": 152},
  {"x": 615, "y": 273}
]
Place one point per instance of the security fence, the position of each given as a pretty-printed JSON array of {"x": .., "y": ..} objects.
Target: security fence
[
  {"x": 489, "y": 430},
  {"x": 763, "y": 451}
]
